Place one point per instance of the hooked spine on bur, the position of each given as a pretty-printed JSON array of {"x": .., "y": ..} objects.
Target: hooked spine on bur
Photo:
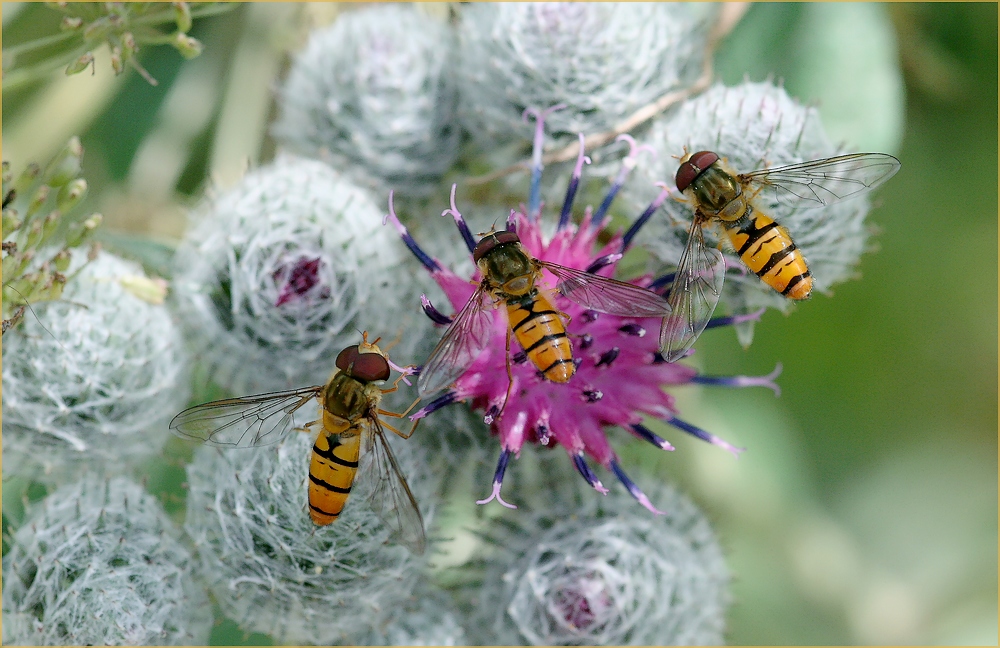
[{"x": 618, "y": 372}]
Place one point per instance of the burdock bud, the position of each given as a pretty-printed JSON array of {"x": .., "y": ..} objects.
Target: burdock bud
[
  {"x": 99, "y": 563},
  {"x": 375, "y": 90},
  {"x": 602, "y": 61},
  {"x": 279, "y": 274},
  {"x": 272, "y": 570},
  {"x": 92, "y": 382},
  {"x": 575, "y": 569},
  {"x": 752, "y": 126},
  {"x": 428, "y": 617}
]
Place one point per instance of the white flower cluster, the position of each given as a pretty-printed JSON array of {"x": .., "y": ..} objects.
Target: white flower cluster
[
  {"x": 609, "y": 574},
  {"x": 752, "y": 126},
  {"x": 272, "y": 570},
  {"x": 99, "y": 563},
  {"x": 603, "y": 61},
  {"x": 373, "y": 90},
  {"x": 92, "y": 382},
  {"x": 281, "y": 272}
]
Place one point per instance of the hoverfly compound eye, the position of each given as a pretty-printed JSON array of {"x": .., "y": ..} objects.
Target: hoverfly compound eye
[
  {"x": 370, "y": 367},
  {"x": 347, "y": 357},
  {"x": 492, "y": 240},
  {"x": 693, "y": 168}
]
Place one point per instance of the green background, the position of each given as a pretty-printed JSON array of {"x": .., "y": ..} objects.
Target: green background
[{"x": 865, "y": 510}]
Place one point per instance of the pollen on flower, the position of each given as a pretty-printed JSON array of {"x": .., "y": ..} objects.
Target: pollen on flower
[{"x": 619, "y": 374}]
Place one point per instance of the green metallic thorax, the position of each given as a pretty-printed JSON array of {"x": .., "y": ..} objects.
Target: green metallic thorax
[
  {"x": 718, "y": 193},
  {"x": 350, "y": 398},
  {"x": 509, "y": 269}
]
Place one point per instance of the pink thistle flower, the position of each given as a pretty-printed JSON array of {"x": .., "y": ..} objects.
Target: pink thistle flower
[{"x": 620, "y": 373}]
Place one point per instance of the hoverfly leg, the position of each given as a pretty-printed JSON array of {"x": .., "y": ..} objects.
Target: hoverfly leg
[
  {"x": 510, "y": 378},
  {"x": 398, "y": 432}
]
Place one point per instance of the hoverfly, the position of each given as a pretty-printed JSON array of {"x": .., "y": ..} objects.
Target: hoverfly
[
  {"x": 727, "y": 198},
  {"x": 510, "y": 276},
  {"x": 349, "y": 404}
]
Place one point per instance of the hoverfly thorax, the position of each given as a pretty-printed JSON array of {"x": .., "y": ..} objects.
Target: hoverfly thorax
[
  {"x": 504, "y": 262},
  {"x": 350, "y": 392},
  {"x": 714, "y": 188}
]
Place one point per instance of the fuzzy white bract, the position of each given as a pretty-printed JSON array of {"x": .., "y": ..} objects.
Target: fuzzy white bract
[
  {"x": 272, "y": 570},
  {"x": 92, "y": 382},
  {"x": 602, "y": 60},
  {"x": 280, "y": 273},
  {"x": 375, "y": 90},
  {"x": 99, "y": 563},
  {"x": 429, "y": 617},
  {"x": 752, "y": 126},
  {"x": 609, "y": 574}
]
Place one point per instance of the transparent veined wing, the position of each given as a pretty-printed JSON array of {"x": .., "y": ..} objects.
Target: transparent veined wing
[
  {"x": 391, "y": 498},
  {"x": 694, "y": 294},
  {"x": 822, "y": 182},
  {"x": 465, "y": 339},
  {"x": 607, "y": 295},
  {"x": 247, "y": 422}
]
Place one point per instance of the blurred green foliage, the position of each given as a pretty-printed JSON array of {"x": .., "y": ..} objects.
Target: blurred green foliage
[{"x": 865, "y": 510}]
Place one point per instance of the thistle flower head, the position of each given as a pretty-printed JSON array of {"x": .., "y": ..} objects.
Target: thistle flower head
[
  {"x": 753, "y": 126},
  {"x": 272, "y": 570},
  {"x": 91, "y": 382},
  {"x": 608, "y": 575},
  {"x": 281, "y": 272},
  {"x": 99, "y": 563},
  {"x": 373, "y": 92},
  {"x": 602, "y": 61},
  {"x": 619, "y": 375}
]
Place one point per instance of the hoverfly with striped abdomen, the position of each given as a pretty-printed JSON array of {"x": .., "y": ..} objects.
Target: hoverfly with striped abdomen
[
  {"x": 722, "y": 196},
  {"x": 510, "y": 276},
  {"x": 349, "y": 404}
]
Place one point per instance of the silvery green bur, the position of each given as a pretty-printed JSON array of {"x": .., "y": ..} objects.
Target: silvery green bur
[
  {"x": 99, "y": 563},
  {"x": 279, "y": 273},
  {"x": 374, "y": 94},
  {"x": 91, "y": 380}
]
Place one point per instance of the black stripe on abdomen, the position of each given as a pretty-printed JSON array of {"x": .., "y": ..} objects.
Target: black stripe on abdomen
[
  {"x": 775, "y": 259},
  {"x": 753, "y": 234},
  {"x": 794, "y": 281},
  {"x": 532, "y": 314},
  {"x": 545, "y": 338},
  {"x": 332, "y": 458},
  {"x": 330, "y": 487}
]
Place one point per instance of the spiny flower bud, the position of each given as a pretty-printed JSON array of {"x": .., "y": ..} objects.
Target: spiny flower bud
[
  {"x": 87, "y": 382},
  {"x": 606, "y": 575},
  {"x": 277, "y": 275},
  {"x": 602, "y": 61},
  {"x": 375, "y": 90},
  {"x": 753, "y": 126},
  {"x": 272, "y": 570},
  {"x": 99, "y": 563}
]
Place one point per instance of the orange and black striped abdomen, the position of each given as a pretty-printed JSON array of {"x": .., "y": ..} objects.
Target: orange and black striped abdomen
[
  {"x": 541, "y": 333},
  {"x": 332, "y": 470},
  {"x": 767, "y": 249}
]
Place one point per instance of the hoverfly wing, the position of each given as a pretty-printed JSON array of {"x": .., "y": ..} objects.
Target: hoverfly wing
[
  {"x": 461, "y": 344},
  {"x": 822, "y": 182},
  {"x": 693, "y": 296},
  {"x": 391, "y": 498},
  {"x": 247, "y": 422},
  {"x": 606, "y": 295}
]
